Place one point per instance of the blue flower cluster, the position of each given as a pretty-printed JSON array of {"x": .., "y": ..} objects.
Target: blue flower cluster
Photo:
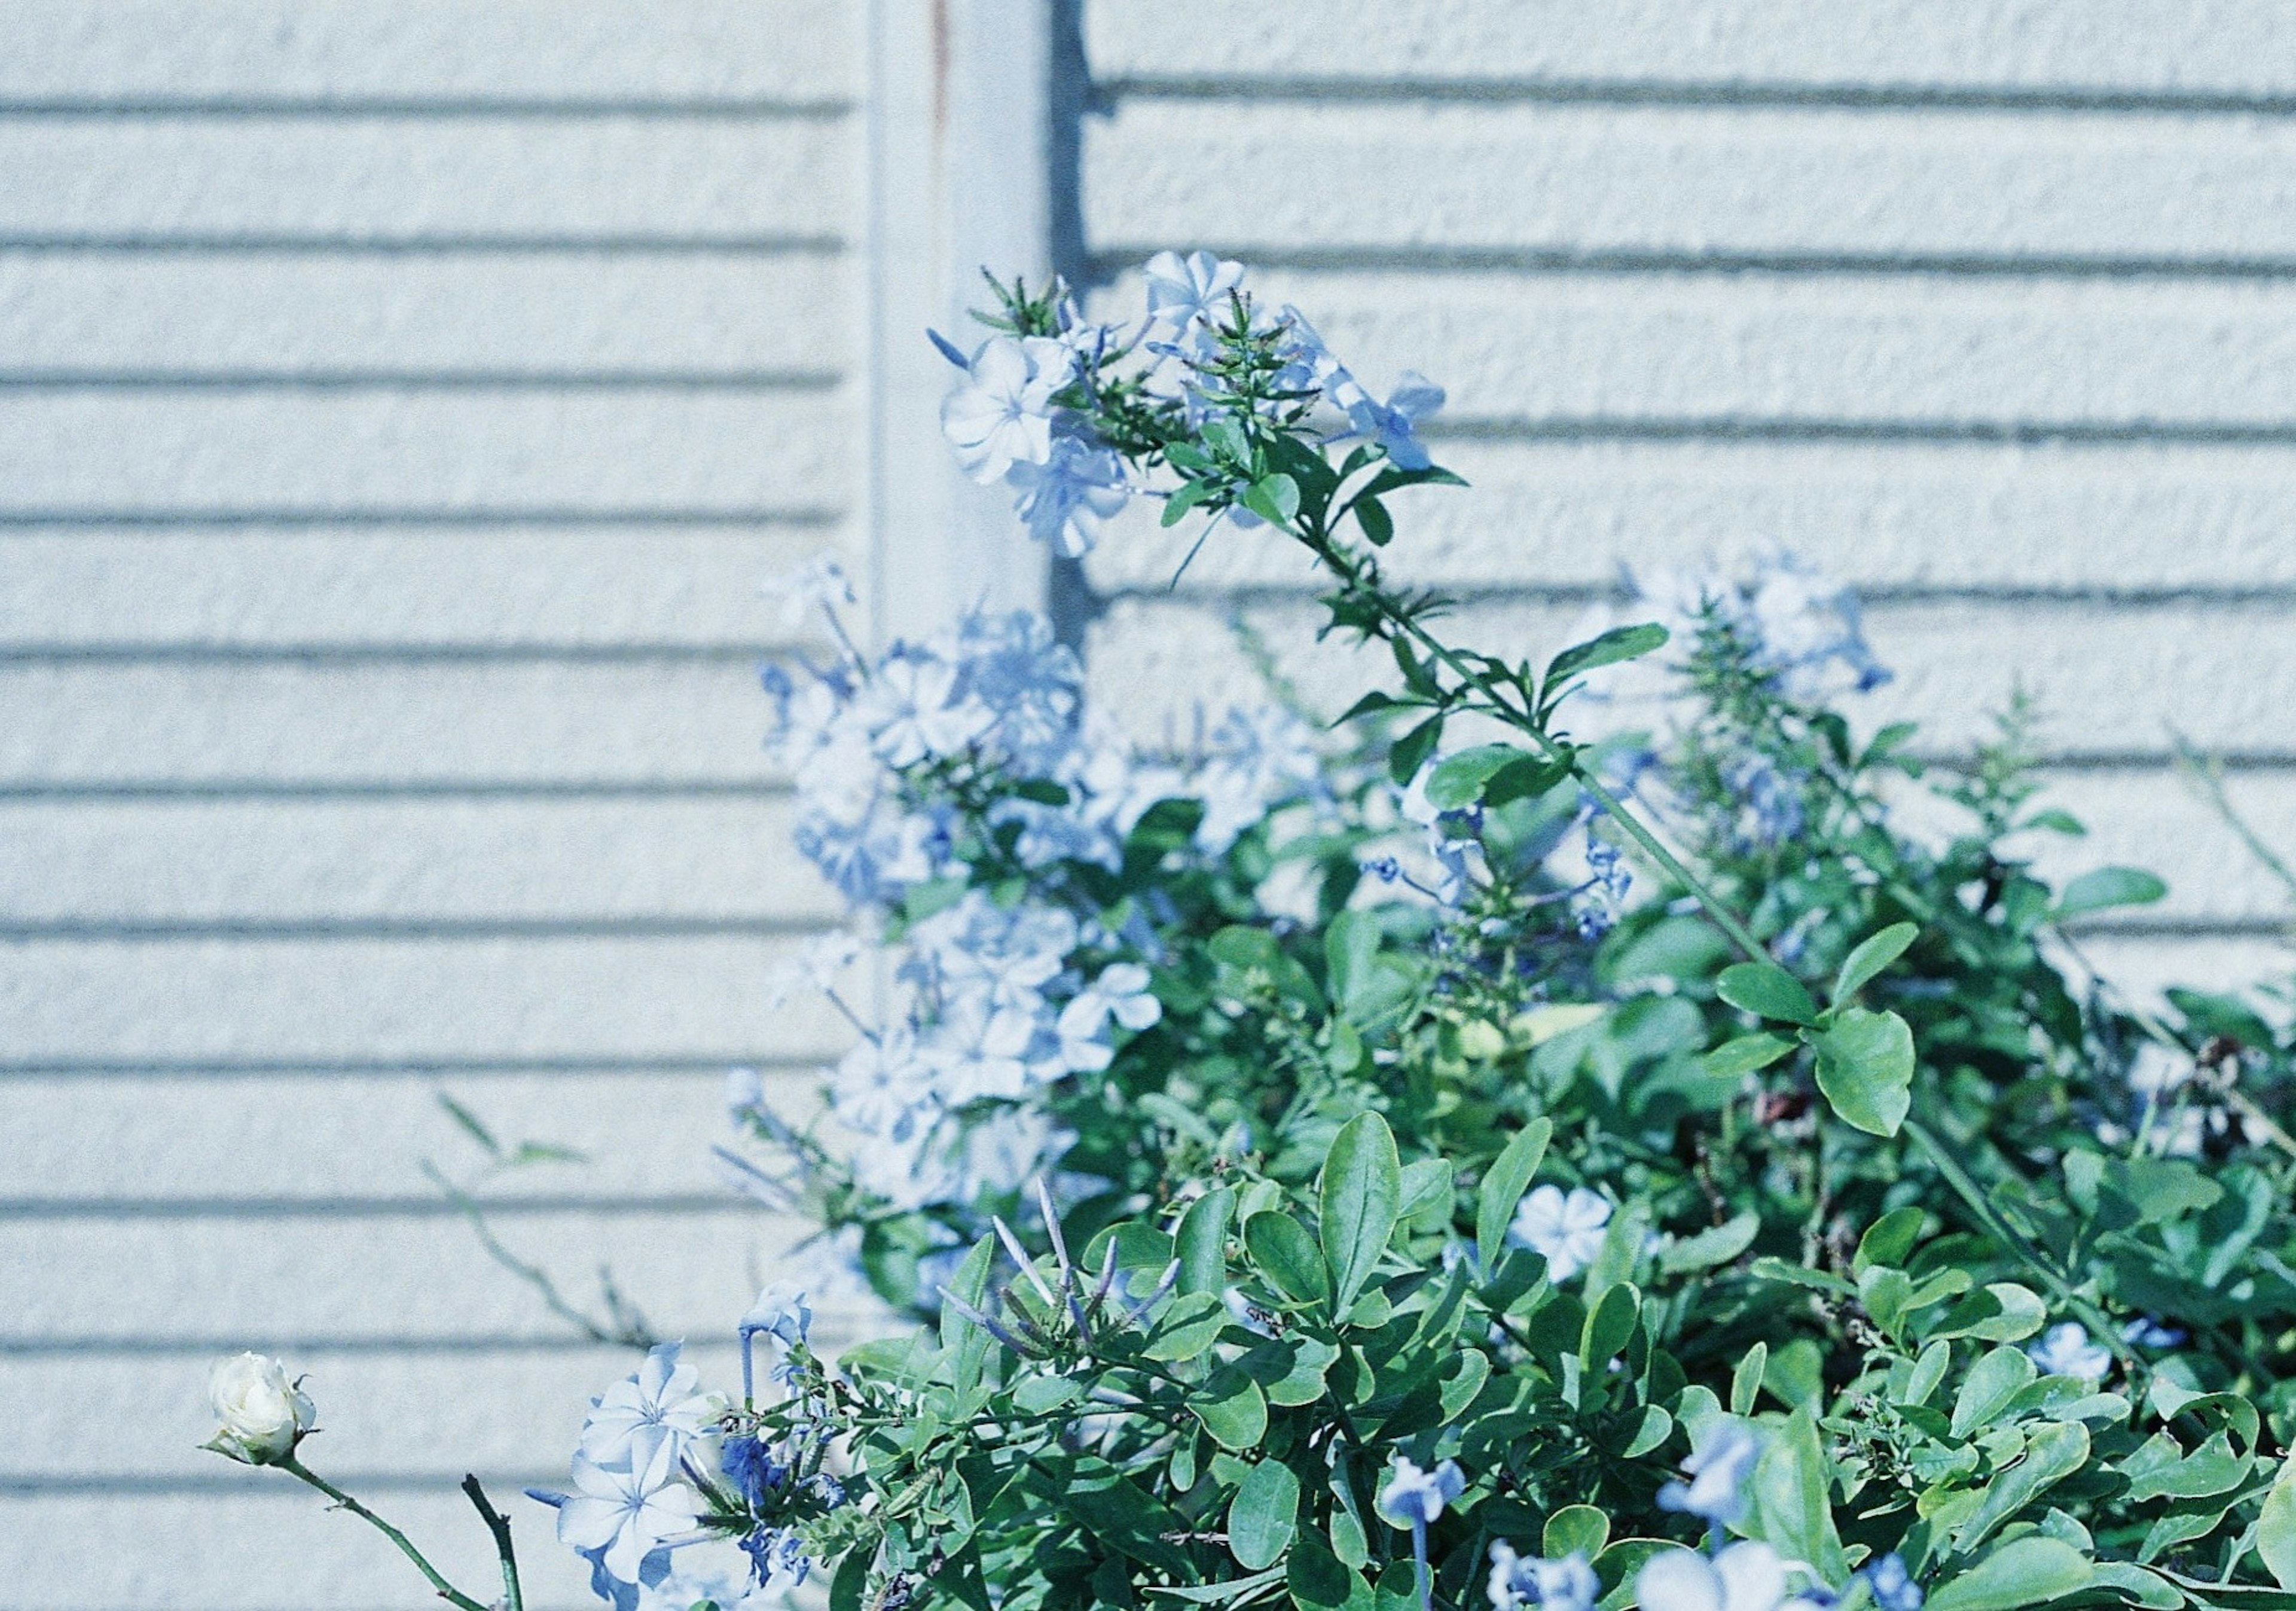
[
  {"x": 1009, "y": 421},
  {"x": 907, "y": 764},
  {"x": 677, "y": 1497}
]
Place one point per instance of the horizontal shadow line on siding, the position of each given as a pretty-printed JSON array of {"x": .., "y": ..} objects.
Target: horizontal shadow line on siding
[
  {"x": 1723, "y": 428},
  {"x": 1406, "y": 90},
  {"x": 1373, "y": 257},
  {"x": 171, "y": 1347},
  {"x": 324, "y": 929},
  {"x": 399, "y": 1068},
  {"x": 1469, "y": 594},
  {"x": 234, "y": 1484},
  {"x": 423, "y": 379},
  {"x": 399, "y": 789},
  {"x": 722, "y": 108},
  {"x": 434, "y": 243},
  {"x": 394, "y": 653},
  {"x": 239, "y": 519},
  {"x": 695, "y": 1204}
]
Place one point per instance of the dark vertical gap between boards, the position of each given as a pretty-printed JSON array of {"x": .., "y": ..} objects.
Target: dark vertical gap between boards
[{"x": 1068, "y": 596}]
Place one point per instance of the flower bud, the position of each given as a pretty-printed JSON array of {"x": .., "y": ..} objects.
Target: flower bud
[{"x": 264, "y": 1415}]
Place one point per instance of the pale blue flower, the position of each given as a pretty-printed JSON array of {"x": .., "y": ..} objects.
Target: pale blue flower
[
  {"x": 1892, "y": 1587},
  {"x": 1391, "y": 426},
  {"x": 1066, "y": 500},
  {"x": 661, "y": 1395},
  {"x": 782, "y": 1313},
  {"x": 1183, "y": 290},
  {"x": 1520, "y": 1581},
  {"x": 2064, "y": 1350},
  {"x": 819, "y": 584},
  {"x": 1566, "y": 1231},
  {"x": 912, "y": 710},
  {"x": 1416, "y": 1497},
  {"x": 711, "y": 1570},
  {"x": 775, "y": 1550},
  {"x": 977, "y": 1049},
  {"x": 625, "y": 1513},
  {"x": 2145, "y": 1332},
  {"x": 1003, "y": 414},
  {"x": 1719, "y": 1468},
  {"x": 1746, "y": 1576}
]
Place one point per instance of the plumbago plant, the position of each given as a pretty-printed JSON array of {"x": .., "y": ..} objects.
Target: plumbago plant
[{"x": 1319, "y": 1183}]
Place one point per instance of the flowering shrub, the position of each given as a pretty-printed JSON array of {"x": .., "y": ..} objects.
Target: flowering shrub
[{"x": 1562, "y": 1140}]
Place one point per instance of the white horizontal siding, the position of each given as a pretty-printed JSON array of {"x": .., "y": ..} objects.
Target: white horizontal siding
[
  {"x": 2109, "y": 684},
  {"x": 300, "y": 1141},
  {"x": 400, "y": 408},
  {"x": 1984, "y": 308},
  {"x": 122, "y": 1001},
  {"x": 560, "y": 51},
  {"x": 1286, "y": 181},
  {"x": 2117, "y": 47},
  {"x": 268, "y": 724},
  {"x": 263, "y": 1542},
  {"x": 1884, "y": 352},
  {"x": 331, "y": 314},
  {"x": 556, "y": 581},
  {"x": 442, "y": 861},
  {"x": 2090, "y": 518},
  {"x": 384, "y": 179},
  {"x": 102, "y": 451}
]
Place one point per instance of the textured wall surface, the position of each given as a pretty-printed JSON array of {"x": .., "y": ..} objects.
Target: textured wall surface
[
  {"x": 400, "y": 403},
  {"x": 399, "y": 407},
  {"x": 1989, "y": 307}
]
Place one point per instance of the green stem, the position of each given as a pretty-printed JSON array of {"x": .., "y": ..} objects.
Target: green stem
[
  {"x": 1722, "y": 917},
  {"x": 446, "y": 1591},
  {"x": 2097, "y": 1322},
  {"x": 497, "y": 1523}
]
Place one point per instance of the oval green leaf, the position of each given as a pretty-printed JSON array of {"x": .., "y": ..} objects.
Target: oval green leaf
[
  {"x": 1264, "y": 1514},
  {"x": 1360, "y": 1198}
]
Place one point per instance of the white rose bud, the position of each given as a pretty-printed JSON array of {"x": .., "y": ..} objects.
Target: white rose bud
[{"x": 264, "y": 1414}]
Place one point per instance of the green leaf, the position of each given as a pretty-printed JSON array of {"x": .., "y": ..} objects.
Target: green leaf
[
  {"x": 1791, "y": 1509},
  {"x": 1319, "y": 1582},
  {"x": 2024, "y": 1573},
  {"x": 1502, "y": 1185},
  {"x": 1575, "y": 1529},
  {"x": 2053, "y": 1453},
  {"x": 1872, "y": 954},
  {"x": 1746, "y": 1379},
  {"x": 1766, "y": 990},
  {"x": 966, "y": 1341},
  {"x": 1619, "y": 643},
  {"x": 1889, "y": 1240},
  {"x": 1185, "y": 497},
  {"x": 2108, "y": 887},
  {"x": 1410, "y": 753},
  {"x": 1457, "y": 780},
  {"x": 847, "y": 1584},
  {"x": 2276, "y": 1528},
  {"x": 1232, "y": 1408},
  {"x": 1866, "y": 1067},
  {"x": 469, "y": 1123},
  {"x": 1264, "y": 1514},
  {"x": 1986, "y": 1391},
  {"x": 1735, "y": 1059},
  {"x": 1274, "y": 499},
  {"x": 1378, "y": 525},
  {"x": 1529, "y": 777},
  {"x": 1609, "y": 1325},
  {"x": 1716, "y": 1245},
  {"x": 1287, "y": 1254},
  {"x": 1192, "y": 1324},
  {"x": 1201, "y": 1243},
  {"x": 1357, "y": 1202}
]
